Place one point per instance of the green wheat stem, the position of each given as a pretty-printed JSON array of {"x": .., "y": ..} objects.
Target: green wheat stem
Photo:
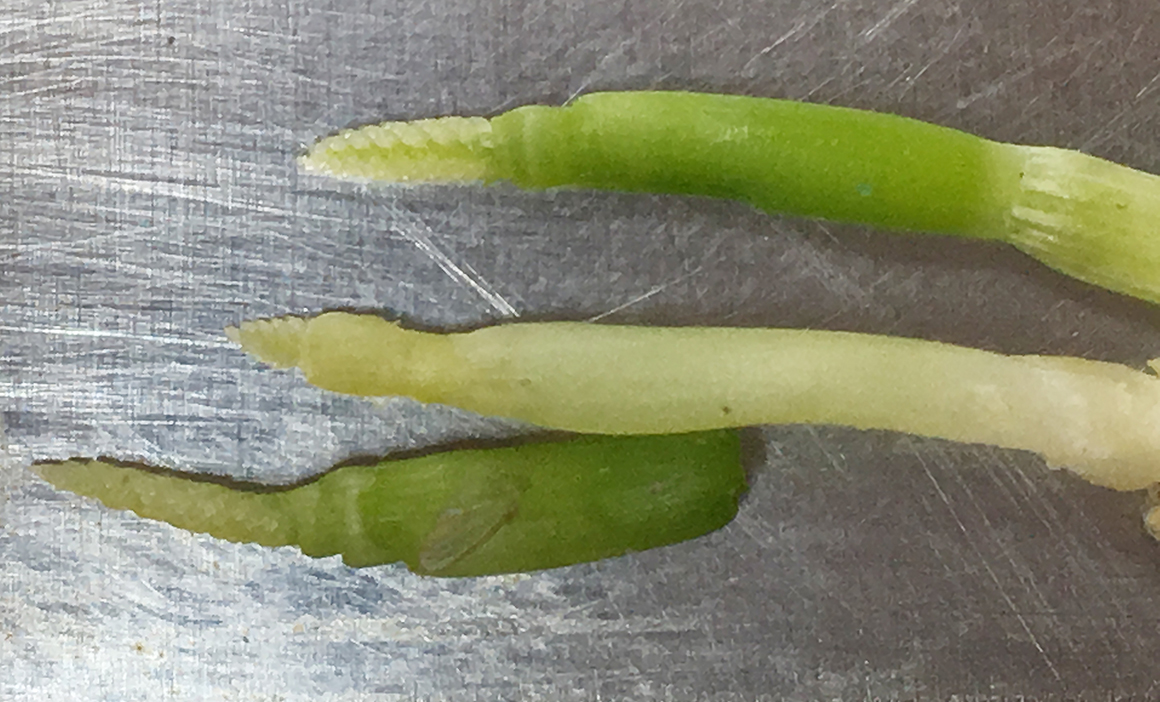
[
  {"x": 456, "y": 513},
  {"x": 1084, "y": 216}
]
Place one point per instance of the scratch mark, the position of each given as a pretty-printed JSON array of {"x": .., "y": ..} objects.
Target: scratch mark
[
  {"x": 419, "y": 234},
  {"x": 646, "y": 295},
  {"x": 22, "y": 248},
  {"x": 149, "y": 186},
  {"x": 992, "y": 89},
  {"x": 1147, "y": 85},
  {"x": 14, "y": 24},
  {"x": 871, "y": 33},
  {"x": 144, "y": 272},
  {"x": 987, "y": 566},
  {"x": 803, "y": 25},
  {"x": 817, "y": 88},
  {"x": 45, "y": 89},
  {"x": 1097, "y": 575},
  {"x": 1033, "y": 588},
  {"x": 11, "y": 474},
  {"x": 836, "y": 462},
  {"x": 946, "y": 49},
  {"x": 1109, "y": 128},
  {"x": 275, "y": 70},
  {"x": 107, "y": 334},
  {"x": 814, "y": 263}
]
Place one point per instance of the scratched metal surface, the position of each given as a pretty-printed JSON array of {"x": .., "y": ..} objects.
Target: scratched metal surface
[{"x": 148, "y": 197}]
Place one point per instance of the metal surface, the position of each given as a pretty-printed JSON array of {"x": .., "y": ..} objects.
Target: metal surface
[{"x": 148, "y": 197}]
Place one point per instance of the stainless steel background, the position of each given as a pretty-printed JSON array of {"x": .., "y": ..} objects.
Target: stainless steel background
[{"x": 148, "y": 197}]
